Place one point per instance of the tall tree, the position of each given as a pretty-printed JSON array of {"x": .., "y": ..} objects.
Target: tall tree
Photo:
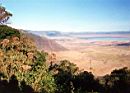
[{"x": 4, "y": 15}]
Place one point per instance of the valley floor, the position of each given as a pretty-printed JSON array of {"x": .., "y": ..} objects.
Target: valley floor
[{"x": 98, "y": 59}]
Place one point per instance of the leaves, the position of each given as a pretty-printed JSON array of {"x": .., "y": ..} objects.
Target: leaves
[
  {"x": 20, "y": 57},
  {"x": 4, "y": 15}
]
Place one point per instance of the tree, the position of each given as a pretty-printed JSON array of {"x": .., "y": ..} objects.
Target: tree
[
  {"x": 118, "y": 81},
  {"x": 85, "y": 82},
  {"x": 4, "y": 15},
  {"x": 64, "y": 73}
]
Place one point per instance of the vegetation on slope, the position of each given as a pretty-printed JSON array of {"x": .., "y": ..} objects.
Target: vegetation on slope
[{"x": 20, "y": 58}]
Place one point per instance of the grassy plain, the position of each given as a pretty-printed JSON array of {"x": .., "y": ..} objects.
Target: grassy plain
[{"x": 100, "y": 59}]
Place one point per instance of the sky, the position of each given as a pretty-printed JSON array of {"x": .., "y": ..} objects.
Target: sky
[{"x": 69, "y": 15}]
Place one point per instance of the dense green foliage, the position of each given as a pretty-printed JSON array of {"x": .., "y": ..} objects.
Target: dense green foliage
[
  {"x": 64, "y": 76},
  {"x": 7, "y": 32},
  {"x": 19, "y": 57},
  {"x": 24, "y": 69},
  {"x": 12, "y": 86},
  {"x": 70, "y": 80},
  {"x": 118, "y": 81}
]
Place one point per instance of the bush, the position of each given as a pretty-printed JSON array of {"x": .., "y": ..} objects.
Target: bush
[
  {"x": 19, "y": 57},
  {"x": 7, "y": 32}
]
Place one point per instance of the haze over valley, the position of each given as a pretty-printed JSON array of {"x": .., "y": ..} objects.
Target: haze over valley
[{"x": 87, "y": 51}]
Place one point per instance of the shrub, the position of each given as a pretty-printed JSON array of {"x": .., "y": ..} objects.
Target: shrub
[{"x": 7, "y": 32}]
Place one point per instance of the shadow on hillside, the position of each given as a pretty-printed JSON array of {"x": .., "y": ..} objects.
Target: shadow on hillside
[{"x": 12, "y": 86}]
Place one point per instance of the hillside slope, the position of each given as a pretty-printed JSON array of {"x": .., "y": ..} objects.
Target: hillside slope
[
  {"x": 23, "y": 69},
  {"x": 43, "y": 43}
]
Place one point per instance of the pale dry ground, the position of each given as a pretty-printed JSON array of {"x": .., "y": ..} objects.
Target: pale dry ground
[{"x": 102, "y": 59}]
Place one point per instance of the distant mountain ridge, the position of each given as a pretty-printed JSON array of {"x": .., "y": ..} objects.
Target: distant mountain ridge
[
  {"x": 111, "y": 32},
  {"x": 58, "y": 33},
  {"x": 46, "y": 33}
]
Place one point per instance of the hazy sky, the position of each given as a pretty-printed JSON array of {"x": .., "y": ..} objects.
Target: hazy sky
[{"x": 70, "y": 15}]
